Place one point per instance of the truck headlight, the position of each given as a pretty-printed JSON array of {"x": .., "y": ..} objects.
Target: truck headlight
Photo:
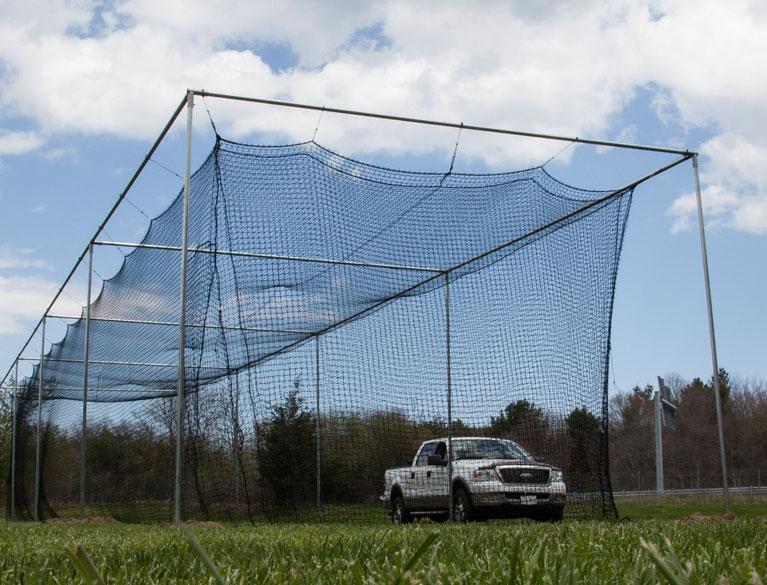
[
  {"x": 484, "y": 475},
  {"x": 556, "y": 475}
]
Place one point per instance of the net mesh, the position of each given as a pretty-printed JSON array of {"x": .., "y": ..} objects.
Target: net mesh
[{"x": 324, "y": 295}]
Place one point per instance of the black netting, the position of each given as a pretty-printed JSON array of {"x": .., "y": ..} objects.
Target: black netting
[{"x": 323, "y": 294}]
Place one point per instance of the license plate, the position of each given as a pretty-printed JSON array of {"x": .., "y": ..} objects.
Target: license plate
[{"x": 527, "y": 500}]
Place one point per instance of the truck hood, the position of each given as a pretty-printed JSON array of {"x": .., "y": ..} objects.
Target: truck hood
[
  {"x": 470, "y": 464},
  {"x": 492, "y": 463}
]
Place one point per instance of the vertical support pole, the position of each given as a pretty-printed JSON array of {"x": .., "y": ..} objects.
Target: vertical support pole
[
  {"x": 39, "y": 447},
  {"x": 86, "y": 355},
  {"x": 659, "y": 484},
  {"x": 317, "y": 425},
  {"x": 14, "y": 414},
  {"x": 178, "y": 495},
  {"x": 449, "y": 367},
  {"x": 711, "y": 335}
]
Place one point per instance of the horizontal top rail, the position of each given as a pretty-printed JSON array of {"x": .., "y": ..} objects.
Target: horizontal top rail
[
  {"x": 110, "y": 390},
  {"x": 192, "y": 325},
  {"x": 271, "y": 256},
  {"x": 428, "y": 122},
  {"x": 116, "y": 363}
]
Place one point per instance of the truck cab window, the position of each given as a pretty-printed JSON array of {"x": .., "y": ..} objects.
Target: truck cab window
[{"x": 423, "y": 456}]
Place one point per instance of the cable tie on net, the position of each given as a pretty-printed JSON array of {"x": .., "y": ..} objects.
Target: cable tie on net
[
  {"x": 106, "y": 233},
  {"x": 137, "y": 208},
  {"x": 73, "y": 299},
  {"x": 560, "y": 151},
  {"x": 210, "y": 117},
  {"x": 455, "y": 149},
  {"x": 162, "y": 166},
  {"x": 317, "y": 127}
]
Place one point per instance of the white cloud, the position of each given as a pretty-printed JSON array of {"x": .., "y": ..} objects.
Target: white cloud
[
  {"x": 568, "y": 67},
  {"x": 59, "y": 153},
  {"x": 734, "y": 186},
  {"x": 25, "y": 293},
  {"x": 38, "y": 209},
  {"x": 22, "y": 299},
  {"x": 15, "y": 143},
  {"x": 17, "y": 258}
]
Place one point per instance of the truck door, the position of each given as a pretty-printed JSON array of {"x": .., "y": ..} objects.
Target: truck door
[
  {"x": 420, "y": 478},
  {"x": 436, "y": 481}
]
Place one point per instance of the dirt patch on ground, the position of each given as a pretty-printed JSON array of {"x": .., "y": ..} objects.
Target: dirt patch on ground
[
  {"x": 698, "y": 517},
  {"x": 89, "y": 520},
  {"x": 203, "y": 524}
]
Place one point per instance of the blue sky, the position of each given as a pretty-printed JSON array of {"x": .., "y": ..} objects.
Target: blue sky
[{"x": 81, "y": 105}]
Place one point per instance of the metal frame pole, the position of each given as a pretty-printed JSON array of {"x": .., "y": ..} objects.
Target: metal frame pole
[
  {"x": 449, "y": 368},
  {"x": 318, "y": 426},
  {"x": 711, "y": 334},
  {"x": 659, "y": 483},
  {"x": 14, "y": 414},
  {"x": 86, "y": 353},
  {"x": 422, "y": 121},
  {"x": 178, "y": 496},
  {"x": 39, "y": 446}
]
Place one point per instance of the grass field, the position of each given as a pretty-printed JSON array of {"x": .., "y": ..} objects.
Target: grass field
[{"x": 494, "y": 552}]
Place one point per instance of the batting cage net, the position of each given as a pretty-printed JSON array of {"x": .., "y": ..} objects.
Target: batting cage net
[{"x": 339, "y": 315}]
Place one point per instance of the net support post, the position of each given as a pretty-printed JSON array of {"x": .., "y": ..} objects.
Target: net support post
[
  {"x": 178, "y": 490},
  {"x": 711, "y": 335},
  {"x": 14, "y": 416},
  {"x": 318, "y": 425},
  {"x": 39, "y": 443},
  {"x": 659, "y": 439},
  {"x": 449, "y": 376},
  {"x": 86, "y": 355}
]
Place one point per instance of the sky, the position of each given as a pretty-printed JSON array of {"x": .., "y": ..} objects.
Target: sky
[{"x": 86, "y": 86}]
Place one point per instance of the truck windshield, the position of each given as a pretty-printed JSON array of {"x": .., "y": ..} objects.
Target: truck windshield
[{"x": 488, "y": 449}]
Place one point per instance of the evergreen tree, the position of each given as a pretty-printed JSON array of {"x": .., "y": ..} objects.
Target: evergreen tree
[{"x": 288, "y": 461}]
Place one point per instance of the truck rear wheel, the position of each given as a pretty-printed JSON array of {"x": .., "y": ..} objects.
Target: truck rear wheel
[{"x": 399, "y": 513}]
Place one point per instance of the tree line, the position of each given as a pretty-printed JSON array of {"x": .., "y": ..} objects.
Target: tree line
[
  {"x": 239, "y": 466},
  {"x": 691, "y": 450}
]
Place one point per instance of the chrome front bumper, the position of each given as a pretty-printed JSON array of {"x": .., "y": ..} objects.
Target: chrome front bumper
[{"x": 496, "y": 493}]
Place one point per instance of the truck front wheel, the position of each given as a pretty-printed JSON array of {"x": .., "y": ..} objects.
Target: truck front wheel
[
  {"x": 554, "y": 515},
  {"x": 463, "y": 511},
  {"x": 399, "y": 513}
]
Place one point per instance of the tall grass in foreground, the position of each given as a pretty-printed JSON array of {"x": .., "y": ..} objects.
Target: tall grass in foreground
[{"x": 577, "y": 552}]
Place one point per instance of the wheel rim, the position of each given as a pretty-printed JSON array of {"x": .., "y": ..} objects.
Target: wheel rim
[
  {"x": 460, "y": 508},
  {"x": 397, "y": 516}
]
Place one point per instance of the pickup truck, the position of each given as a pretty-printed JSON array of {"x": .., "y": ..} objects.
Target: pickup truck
[{"x": 490, "y": 478}]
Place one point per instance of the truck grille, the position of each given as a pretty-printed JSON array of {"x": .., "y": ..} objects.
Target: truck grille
[{"x": 524, "y": 474}]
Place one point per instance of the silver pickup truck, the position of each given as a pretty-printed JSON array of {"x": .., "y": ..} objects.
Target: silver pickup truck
[{"x": 490, "y": 478}]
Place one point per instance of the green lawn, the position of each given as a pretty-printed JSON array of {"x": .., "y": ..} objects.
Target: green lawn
[{"x": 496, "y": 552}]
